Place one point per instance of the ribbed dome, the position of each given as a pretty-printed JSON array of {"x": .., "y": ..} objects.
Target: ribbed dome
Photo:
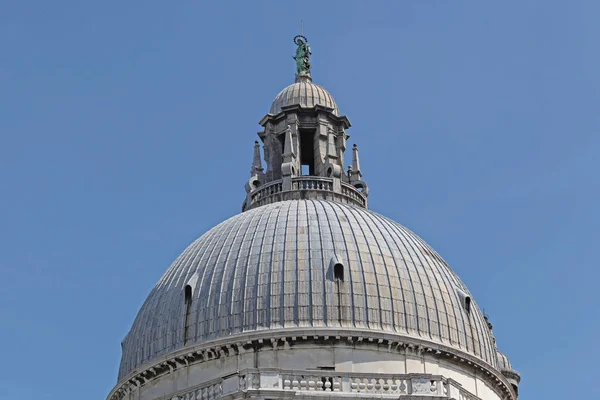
[
  {"x": 273, "y": 268},
  {"x": 503, "y": 362},
  {"x": 303, "y": 93},
  {"x": 507, "y": 370}
]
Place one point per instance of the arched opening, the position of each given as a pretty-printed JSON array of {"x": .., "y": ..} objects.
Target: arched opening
[
  {"x": 282, "y": 143},
  {"x": 338, "y": 277},
  {"x": 465, "y": 300},
  {"x": 338, "y": 272},
  {"x": 187, "y": 311},
  {"x": 335, "y": 273},
  {"x": 307, "y": 151}
]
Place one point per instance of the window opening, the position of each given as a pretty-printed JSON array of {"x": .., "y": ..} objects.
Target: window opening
[
  {"x": 307, "y": 151},
  {"x": 188, "y": 309},
  {"x": 282, "y": 143},
  {"x": 338, "y": 272},
  {"x": 338, "y": 276},
  {"x": 465, "y": 300}
]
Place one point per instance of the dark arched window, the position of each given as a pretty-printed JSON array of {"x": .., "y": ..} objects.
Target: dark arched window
[
  {"x": 338, "y": 272},
  {"x": 465, "y": 299},
  {"x": 188, "y": 309}
]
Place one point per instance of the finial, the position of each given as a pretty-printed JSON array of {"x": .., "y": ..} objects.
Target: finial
[
  {"x": 256, "y": 163},
  {"x": 355, "y": 174},
  {"x": 355, "y": 160},
  {"x": 302, "y": 56}
]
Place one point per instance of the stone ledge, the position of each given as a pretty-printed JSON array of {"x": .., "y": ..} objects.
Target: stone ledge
[
  {"x": 254, "y": 341},
  {"x": 324, "y": 384}
]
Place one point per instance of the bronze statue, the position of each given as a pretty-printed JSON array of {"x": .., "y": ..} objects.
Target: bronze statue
[{"x": 302, "y": 55}]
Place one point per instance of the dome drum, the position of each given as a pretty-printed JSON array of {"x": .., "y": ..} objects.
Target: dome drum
[{"x": 272, "y": 361}]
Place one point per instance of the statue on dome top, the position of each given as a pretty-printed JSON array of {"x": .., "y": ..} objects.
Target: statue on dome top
[{"x": 302, "y": 55}]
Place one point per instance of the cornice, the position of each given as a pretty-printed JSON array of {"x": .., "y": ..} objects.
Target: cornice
[
  {"x": 306, "y": 110},
  {"x": 284, "y": 338}
]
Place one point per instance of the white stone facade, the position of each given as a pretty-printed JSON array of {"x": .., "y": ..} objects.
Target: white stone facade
[{"x": 312, "y": 366}]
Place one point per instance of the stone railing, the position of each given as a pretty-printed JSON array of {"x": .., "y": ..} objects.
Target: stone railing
[
  {"x": 312, "y": 183},
  {"x": 273, "y": 382},
  {"x": 353, "y": 193},
  {"x": 421, "y": 385},
  {"x": 267, "y": 194},
  {"x": 207, "y": 392},
  {"x": 305, "y": 187}
]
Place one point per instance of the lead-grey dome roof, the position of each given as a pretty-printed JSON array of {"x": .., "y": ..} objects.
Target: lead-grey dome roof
[
  {"x": 270, "y": 267},
  {"x": 503, "y": 362},
  {"x": 305, "y": 94}
]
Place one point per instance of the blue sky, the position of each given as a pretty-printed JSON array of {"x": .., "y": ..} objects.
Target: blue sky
[{"x": 127, "y": 131}]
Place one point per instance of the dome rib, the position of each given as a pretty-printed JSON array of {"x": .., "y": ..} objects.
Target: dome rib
[
  {"x": 414, "y": 321},
  {"x": 378, "y": 324},
  {"x": 441, "y": 298},
  {"x": 224, "y": 310},
  {"x": 402, "y": 290},
  {"x": 267, "y": 268},
  {"x": 239, "y": 295},
  {"x": 363, "y": 317},
  {"x": 459, "y": 320},
  {"x": 432, "y": 309},
  {"x": 319, "y": 223}
]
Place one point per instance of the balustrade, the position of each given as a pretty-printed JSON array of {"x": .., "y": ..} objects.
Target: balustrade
[
  {"x": 312, "y": 183},
  {"x": 434, "y": 386},
  {"x": 273, "y": 191}
]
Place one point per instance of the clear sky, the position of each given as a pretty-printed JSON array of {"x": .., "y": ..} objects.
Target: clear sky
[{"x": 127, "y": 131}]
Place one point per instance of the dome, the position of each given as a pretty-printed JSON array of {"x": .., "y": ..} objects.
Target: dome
[
  {"x": 503, "y": 362},
  {"x": 307, "y": 264},
  {"x": 504, "y": 366},
  {"x": 303, "y": 93}
]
